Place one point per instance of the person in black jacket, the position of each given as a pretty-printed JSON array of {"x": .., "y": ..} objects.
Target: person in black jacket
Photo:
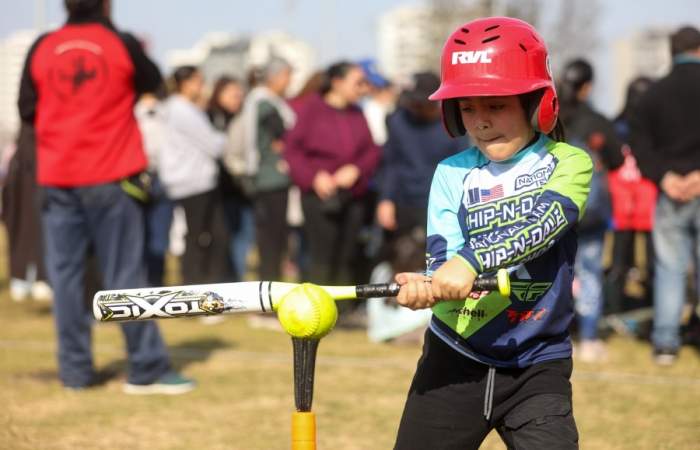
[
  {"x": 590, "y": 130},
  {"x": 665, "y": 135},
  {"x": 20, "y": 213},
  {"x": 416, "y": 144},
  {"x": 583, "y": 123}
]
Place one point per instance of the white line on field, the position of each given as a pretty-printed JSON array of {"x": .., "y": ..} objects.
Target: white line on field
[{"x": 193, "y": 353}]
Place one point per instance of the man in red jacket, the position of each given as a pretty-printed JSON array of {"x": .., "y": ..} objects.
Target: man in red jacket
[{"x": 78, "y": 89}]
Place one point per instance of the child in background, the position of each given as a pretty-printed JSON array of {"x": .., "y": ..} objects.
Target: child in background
[
  {"x": 590, "y": 130},
  {"x": 634, "y": 199},
  {"x": 386, "y": 321},
  {"x": 513, "y": 200}
]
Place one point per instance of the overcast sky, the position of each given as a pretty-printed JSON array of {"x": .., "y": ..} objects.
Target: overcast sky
[{"x": 336, "y": 29}]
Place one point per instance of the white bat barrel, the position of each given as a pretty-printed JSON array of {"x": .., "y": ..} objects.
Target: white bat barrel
[{"x": 187, "y": 301}]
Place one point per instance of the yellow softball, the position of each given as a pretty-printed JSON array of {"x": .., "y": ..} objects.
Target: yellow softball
[{"x": 307, "y": 311}]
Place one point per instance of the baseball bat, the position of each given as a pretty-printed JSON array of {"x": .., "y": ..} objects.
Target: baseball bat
[{"x": 231, "y": 298}]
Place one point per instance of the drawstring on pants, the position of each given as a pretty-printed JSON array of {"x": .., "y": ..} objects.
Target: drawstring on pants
[{"x": 488, "y": 395}]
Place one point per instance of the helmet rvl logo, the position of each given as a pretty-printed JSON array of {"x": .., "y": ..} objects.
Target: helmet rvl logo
[{"x": 471, "y": 57}]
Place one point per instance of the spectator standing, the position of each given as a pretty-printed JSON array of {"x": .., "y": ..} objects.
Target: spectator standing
[
  {"x": 665, "y": 136},
  {"x": 189, "y": 170},
  {"x": 633, "y": 203},
  {"x": 159, "y": 208},
  {"x": 590, "y": 130},
  {"x": 299, "y": 247},
  {"x": 20, "y": 212},
  {"x": 253, "y": 156},
  {"x": 78, "y": 88},
  {"x": 379, "y": 101},
  {"x": 266, "y": 118},
  {"x": 225, "y": 104},
  {"x": 387, "y": 321},
  {"x": 332, "y": 157},
  {"x": 416, "y": 143}
]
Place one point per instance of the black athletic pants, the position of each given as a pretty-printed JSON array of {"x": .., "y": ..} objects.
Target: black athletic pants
[
  {"x": 206, "y": 258},
  {"x": 449, "y": 399},
  {"x": 271, "y": 232},
  {"x": 333, "y": 238}
]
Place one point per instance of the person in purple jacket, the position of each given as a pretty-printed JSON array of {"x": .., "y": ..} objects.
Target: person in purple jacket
[{"x": 332, "y": 157}]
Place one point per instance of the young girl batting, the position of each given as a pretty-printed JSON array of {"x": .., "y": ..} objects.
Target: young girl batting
[{"x": 513, "y": 201}]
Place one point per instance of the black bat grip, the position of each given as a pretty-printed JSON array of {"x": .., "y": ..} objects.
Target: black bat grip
[
  {"x": 485, "y": 284},
  {"x": 392, "y": 289},
  {"x": 377, "y": 290}
]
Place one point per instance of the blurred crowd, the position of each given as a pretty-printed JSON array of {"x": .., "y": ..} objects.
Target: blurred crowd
[{"x": 331, "y": 186}]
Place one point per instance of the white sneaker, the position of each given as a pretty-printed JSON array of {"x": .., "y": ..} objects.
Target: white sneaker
[
  {"x": 591, "y": 351},
  {"x": 665, "y": 357},
  {"x": 41, "y": 291},
  {"x": 19, "y": 290},
  {"x": 171, "y": 383},
  {"x": 263, "y": 322},
  {"x": 211, "y": 320}
]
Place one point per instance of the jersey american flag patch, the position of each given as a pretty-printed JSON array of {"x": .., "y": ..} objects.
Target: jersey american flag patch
[
  {"x": 492, "y": 194},
  {"x": 477, "y": 195}
]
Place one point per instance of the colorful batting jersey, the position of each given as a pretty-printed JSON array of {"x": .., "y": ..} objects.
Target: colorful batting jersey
[{"x": 518, "y": 214}]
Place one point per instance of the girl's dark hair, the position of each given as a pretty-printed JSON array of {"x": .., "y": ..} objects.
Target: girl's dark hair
[
  {"x": 254, "y": 77},
  {"x": 219, "y": 86},
  {"x": 182, "y": 74},
  {"x": 313, "y": 84},
  {"x": 575, "y": 75},
  {"x": 685, "y": 39},
  {"x": 82, "y": 8},
  {"x": 407, "y": 251},
  {"x": 161, "y": 92},
  {"x": 635, "y": 90},
  {"x": 530, "y": 101},
  {"x": 336, "y": 71},
  {"x": 558, "y": 133}
]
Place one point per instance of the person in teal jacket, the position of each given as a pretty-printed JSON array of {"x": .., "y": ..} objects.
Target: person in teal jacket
[
  {"x": 512, "y": 201},
  {"x": 267, "y": 117}
]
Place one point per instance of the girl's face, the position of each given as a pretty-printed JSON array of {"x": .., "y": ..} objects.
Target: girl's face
[
  {"x": 279, "y": 82},
  {"x": 231, "y": 97},
  {"x": 192, "y": 87},
  {"x": 497, "y": 125},
  {"x": 351, "y": 87}
]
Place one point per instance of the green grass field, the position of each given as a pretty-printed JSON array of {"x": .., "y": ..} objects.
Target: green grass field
[
  {"x": 245, "y": 395},
  {"x": 245, "y": 398}
]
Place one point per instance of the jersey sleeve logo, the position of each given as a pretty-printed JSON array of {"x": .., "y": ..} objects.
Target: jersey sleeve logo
[
  {"x": 538, "y": 177},
  {"x": 527, "y": 291}
]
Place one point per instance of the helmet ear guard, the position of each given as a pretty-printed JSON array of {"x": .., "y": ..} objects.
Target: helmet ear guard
[{"x": 544, "y": 116}]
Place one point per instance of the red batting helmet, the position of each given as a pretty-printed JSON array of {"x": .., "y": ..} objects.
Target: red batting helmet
[{"x": 496, "y": 56}]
